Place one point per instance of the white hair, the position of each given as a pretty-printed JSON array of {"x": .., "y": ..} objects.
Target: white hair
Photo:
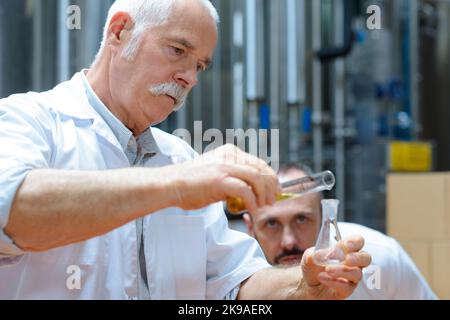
[{"x": 145, "y": 14}]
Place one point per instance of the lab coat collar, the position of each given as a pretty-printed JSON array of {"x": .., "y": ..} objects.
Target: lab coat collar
[{"x": 70, "y": 99}]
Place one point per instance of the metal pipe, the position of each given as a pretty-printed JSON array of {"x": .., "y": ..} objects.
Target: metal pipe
[
  {"x": 274, "y": 65},
  {"x": 253, "y": 114},
  {"x": 296, "y": 92},
  {"x": 197, "y": 101},
  {"x": 37, "y": 56},
  {"x": 339, "y": 105},
  {"x": 238, "y": 97},
  {"x": 181, "y": 118},
  {"x": 292, "y": 53},
  {"x": 238, "y": 66},
  {"x": 94, "y": 15},
  {"x": 317, "y": 87},
  {"x": 254, "y": 58},
  {"x": 217, "y": 79},
  {"x": 414, "y": 65},
  {"x": 63, "y": 42},
  {"x": 1, "y": 50},
  {"x": 295, "y": 23},
  {"x": 294, "y": 132}
]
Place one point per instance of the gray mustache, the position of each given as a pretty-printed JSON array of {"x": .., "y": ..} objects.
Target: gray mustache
[{"x": 172, "y": 89}]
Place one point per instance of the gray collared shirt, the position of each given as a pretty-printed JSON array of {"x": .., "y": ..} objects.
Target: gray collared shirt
[{"x": 137, "y": 151}]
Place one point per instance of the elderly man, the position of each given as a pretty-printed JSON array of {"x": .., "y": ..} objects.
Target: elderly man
[
  {"x": 285, "y": 230},
  {"x": 97, "y": 204}
]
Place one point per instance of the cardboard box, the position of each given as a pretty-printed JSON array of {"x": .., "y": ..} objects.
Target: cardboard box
[
  {"x": 433, "y": 260},
  {"x": 421, "y": 253},
  {"x": 441, "y": 269},
  {"x": 418, "y": 206}
]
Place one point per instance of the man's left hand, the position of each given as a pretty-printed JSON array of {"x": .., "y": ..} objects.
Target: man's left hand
[{"x": 336, "y": 281}]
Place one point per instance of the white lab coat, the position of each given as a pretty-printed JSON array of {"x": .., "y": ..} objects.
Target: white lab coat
[
  {"x": 189, "y": 255},
  {"x": 392, "y": 274}
]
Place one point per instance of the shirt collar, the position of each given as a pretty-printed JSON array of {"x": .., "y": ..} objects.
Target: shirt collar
[{"x": 148, "y": 143}]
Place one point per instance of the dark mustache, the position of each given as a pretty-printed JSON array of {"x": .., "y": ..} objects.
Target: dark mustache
[{"x": 286, "y": 253}]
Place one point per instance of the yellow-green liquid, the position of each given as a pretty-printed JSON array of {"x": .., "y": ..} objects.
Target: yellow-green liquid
[{"x": 237, "y": 205}]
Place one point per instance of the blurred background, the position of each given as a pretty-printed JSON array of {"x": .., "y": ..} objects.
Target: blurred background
[{"x": 362, "y": 103}]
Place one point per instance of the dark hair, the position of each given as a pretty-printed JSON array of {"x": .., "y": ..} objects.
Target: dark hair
[{"x": 295, "y": 166}]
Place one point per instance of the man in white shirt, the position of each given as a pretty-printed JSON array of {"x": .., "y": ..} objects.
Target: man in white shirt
[
  {"x": 97, "y": 204},
  {"x": 285, "y": 230}
]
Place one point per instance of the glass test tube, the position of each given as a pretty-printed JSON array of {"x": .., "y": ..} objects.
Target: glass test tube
[{"x": 291, "y": 190}]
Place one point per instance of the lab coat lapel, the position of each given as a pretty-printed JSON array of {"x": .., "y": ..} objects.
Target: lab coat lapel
[{"x": 69, "y": 98}]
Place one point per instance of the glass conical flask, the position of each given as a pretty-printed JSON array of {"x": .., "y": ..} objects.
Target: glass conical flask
[{"x": 326, "y": 252}]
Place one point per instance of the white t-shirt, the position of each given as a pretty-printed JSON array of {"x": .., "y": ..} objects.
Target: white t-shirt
[{"x": 392, "y": 274}]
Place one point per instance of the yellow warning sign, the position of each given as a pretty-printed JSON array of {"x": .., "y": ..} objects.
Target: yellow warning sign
[{"x": 410, "y": 156}]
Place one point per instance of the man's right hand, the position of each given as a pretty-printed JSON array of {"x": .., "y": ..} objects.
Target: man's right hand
[
  {"x": 55, "y": 208},
  {"x": 220, "y": 174}
]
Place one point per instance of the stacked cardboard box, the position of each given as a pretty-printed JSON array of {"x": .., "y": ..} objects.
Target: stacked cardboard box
[{"x": 418, "y": 216}]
